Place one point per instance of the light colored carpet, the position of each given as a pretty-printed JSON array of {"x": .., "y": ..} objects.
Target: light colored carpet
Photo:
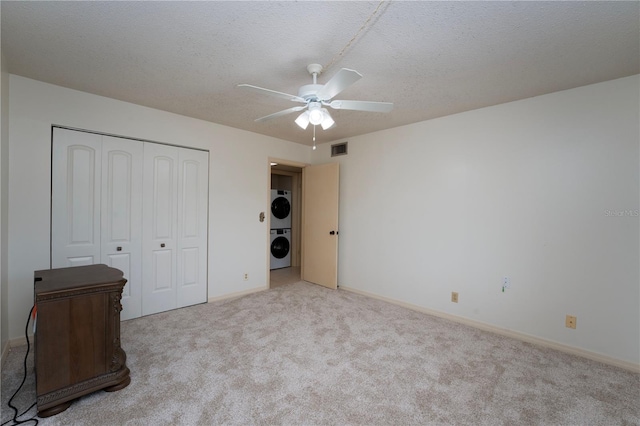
[
  {"x": 284, "y": 276},
  {"x": 304, "y": 355}
]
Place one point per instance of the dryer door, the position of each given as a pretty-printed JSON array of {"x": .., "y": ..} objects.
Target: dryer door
[
  {"x": 280, "y": 207},
  {"x": 280, "y": 247}
]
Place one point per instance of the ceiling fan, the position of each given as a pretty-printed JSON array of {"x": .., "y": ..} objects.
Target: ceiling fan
[{"x": 316, "y": 97}]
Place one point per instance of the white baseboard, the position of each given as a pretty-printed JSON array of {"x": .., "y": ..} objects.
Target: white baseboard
[
  {"x": 237, "y": 294},
  {"x": 508, "y": 333},
  {"x": 5, "y": 352},
  {"x": 13, "y": 343},
  {"x": 20, "y": 341}
]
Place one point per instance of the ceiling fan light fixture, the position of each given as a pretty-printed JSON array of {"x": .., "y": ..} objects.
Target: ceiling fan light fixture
[
  {"x": 327, "y": 122},
  {"x": 303, "y": 120},
  {"x": 316, "y": 116}
]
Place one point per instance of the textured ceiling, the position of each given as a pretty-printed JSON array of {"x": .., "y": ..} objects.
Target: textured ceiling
[{"x": 429, "y": 58}]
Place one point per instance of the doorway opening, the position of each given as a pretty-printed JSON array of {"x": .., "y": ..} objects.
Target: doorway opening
[
  {"x": 285, "y": 223},
  {"x": 313, "y": 237}
]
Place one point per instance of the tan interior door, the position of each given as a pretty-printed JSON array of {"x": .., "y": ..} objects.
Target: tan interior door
[{"x": 320, "y": 224}]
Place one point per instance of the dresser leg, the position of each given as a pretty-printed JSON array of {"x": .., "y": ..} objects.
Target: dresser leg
[{"x": 54, "y": 410}]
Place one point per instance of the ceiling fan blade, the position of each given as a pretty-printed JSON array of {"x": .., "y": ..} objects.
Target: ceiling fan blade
[
  {"x": 362, "y": 105},
  {"x": 340, "y": 81},
  {"x": 280, "y": 113},
  {"x": 264, "y": 91}
]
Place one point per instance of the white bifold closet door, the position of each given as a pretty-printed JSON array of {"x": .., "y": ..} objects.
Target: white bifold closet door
[
  {"x": 115, "y": 199},
  {"x": 175, "y": 227},
  {"x": 96, "y": 207},
  {"x": 121, "y": 215},
  {"x": 193, "y": 212},
  {"x": 75, "y": 198}
]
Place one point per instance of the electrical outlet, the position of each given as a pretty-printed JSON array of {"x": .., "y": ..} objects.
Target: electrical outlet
[
  {"x": 246, "y": 277},
  {"x": 506, "y": 283},
  {"x": 570, "y": 322},
  {"x": 454, "y": 296}
]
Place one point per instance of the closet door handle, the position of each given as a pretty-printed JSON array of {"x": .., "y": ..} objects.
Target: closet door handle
[
  {"x": 162, "y": 245},
  {"x": 118, "y": 248}
]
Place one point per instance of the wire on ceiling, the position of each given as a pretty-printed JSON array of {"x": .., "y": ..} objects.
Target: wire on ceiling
[{"x": 333, "y": 60}]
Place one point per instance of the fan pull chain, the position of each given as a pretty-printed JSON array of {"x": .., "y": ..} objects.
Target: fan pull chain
[
  {"x": 314, "y": 137},
  {"x": 333, "y": 60}
]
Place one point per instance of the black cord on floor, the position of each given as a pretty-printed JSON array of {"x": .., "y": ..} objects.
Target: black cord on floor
[
  {"x": 23, "y": 413},
  {"x": 24, "y": 378}
]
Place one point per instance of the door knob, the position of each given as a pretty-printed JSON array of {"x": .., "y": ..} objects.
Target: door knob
[
  {"x": 332, "y": 233},
  {"x": 162, "y": 245},
  {"x": 119, "y": 249}
]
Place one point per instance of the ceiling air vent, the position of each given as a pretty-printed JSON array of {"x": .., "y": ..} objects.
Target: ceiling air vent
[{"x": 339, "y": 149}]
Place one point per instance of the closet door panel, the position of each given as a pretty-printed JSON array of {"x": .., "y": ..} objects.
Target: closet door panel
[
  {"x": 162, "y": 269},
  {"x": 192, "y": 227},
  {"x": 159, "y": 233},
  {"x": 75, "y": 198},
  {"x": 122, "y": 164}
]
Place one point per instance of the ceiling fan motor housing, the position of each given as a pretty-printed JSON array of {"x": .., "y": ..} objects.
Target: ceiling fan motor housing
[{"x": 309, "y": 92}]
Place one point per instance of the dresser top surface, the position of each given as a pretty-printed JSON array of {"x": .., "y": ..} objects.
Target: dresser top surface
[{"x": 79, "y": 276}]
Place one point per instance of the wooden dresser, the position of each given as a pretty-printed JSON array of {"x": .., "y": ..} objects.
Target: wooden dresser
[{"x": 77, "y": 337}]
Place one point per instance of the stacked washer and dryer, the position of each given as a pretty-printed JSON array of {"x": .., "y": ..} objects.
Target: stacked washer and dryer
[{"x": 280, "y": 229}]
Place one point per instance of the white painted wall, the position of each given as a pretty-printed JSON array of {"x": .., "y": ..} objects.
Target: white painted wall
[
  {"x": 531, "y": 190},
  {"x": 4, "y": 198},
  {"x": 238, "y": 184},
  {"x": 452, "y": 204}
]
